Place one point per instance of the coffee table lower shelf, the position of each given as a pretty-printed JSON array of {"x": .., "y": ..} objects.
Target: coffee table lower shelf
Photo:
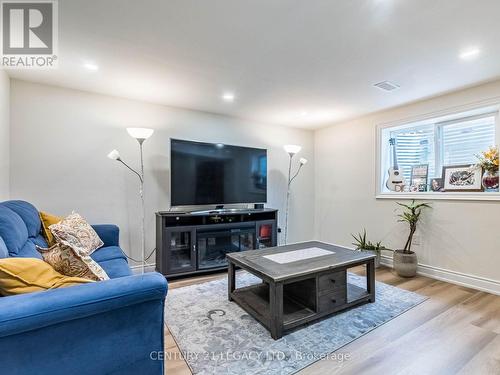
[{"x": 254, "y": 299}]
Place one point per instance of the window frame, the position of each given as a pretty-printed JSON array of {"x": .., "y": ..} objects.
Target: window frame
[{"x": 439, "y": 119}]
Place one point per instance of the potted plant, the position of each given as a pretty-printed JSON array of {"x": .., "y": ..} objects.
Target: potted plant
[
  {"x": 488, "y": 161},
  {"x": 405, "y": 260},
  {"x": 362, "y": 244}
]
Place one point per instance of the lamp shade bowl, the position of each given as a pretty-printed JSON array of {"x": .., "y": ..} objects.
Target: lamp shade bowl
[
  {"x": 140, "y": 133},
  {"x": 292, "y": 149}
]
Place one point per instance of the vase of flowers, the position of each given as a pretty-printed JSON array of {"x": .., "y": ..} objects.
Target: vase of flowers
[{"x": 488, "y": 161}]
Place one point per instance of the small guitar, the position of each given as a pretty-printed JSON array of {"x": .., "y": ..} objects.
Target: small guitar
[{"x": 395, "y": 180}]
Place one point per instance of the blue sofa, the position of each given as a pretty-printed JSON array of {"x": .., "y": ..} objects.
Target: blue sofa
[{"x": 107, "y": 327}]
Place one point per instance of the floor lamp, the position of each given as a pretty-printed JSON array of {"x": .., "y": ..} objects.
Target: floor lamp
[
  {"x": 292, "y": 150},
  {"x": 140, "y": 134}
]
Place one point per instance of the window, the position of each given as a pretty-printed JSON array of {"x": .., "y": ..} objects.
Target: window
[
  {"x": 414, "y": 146},
  {"x": 434, "y": 143},
  {"x": 461, "y": 140}
]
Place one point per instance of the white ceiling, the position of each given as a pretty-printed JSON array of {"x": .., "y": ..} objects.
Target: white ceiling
[{"x": 290, "y": 62}]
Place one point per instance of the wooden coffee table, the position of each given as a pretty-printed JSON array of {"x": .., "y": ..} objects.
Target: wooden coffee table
[{"x": 301, "y": 282}]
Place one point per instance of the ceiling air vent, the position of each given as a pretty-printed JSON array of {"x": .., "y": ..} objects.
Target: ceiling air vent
[{"x": 386, "y": 86}]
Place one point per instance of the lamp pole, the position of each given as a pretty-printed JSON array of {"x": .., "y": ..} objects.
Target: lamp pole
[
  {"x": 291, "y": 150},
  {"x": 143, "y": 211},
  {"x": 140, "y": 134},
  {"x": 288, "y": 196}
]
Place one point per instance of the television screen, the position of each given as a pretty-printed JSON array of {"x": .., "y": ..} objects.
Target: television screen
[{"x": 215, "y": 173}]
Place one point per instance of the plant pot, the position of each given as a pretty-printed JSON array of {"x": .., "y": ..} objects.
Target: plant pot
[
  {"x": 377, "y": 258},
  {"x": 405, "y": 264}
]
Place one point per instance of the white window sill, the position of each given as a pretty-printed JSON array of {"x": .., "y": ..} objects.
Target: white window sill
[{"x": 430, "y": 195}]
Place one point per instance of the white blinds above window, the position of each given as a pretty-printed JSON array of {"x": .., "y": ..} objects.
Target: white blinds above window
[
  {"x": 462, "y": 140},
  {"x": 415, "y": 146}
]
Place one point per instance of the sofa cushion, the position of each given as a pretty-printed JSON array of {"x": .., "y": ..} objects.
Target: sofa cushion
[
  {"x": 4, "y": 253},
  {"x": 70, "y": 262},
  {"x": 74, "y": 231},
  {"x": 39, "y": 241},
  {"x": 20, "y": 229},
  {"x": 28, "y": 213},
  {"x": 28, "y": 251},
  {"x": 12, "y": 230},
  {"x": 116, "y": 268},
  {"x": 47, "y": 220},
  {"x": 28, "y": 275},
  {"x": 108, "y": 253}
]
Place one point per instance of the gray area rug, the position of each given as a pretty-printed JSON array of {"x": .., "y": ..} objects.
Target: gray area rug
[{"x": 218, "y": 337}]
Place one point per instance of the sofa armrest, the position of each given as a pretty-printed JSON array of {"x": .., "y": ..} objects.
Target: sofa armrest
[
  {"x": 32, "y": 311},
  {"x": 109, "y": 234}
]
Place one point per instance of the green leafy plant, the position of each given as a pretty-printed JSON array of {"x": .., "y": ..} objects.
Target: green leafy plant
[
  {"x": 362, "y": 243},
  {"x": 411, "y": 216}
]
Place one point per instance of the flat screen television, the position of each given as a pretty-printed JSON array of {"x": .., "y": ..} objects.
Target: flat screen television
[{"x": 215, "y": 173}]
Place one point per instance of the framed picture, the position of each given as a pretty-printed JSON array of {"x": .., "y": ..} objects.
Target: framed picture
[
  {"x": 462, "y": 178},
  {"x": 419, "y": 174},
  {"x": 437, "y": 184}
]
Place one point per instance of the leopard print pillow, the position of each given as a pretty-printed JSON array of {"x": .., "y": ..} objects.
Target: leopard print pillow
[
  {"x": 74, "y": 231},
  {"x": 69, "y": 262}
]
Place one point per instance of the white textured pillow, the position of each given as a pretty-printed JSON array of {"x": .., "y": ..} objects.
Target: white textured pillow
[{"x": 75, "y": 232}]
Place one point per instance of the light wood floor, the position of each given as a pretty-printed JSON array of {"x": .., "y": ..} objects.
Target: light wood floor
[{"x": 456, "y": 331}]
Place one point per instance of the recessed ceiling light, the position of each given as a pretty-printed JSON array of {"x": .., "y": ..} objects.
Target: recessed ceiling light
[
  {"x": 470, "y": 53},
  {"x": 91, "y": 66},
  {"x": 228, "y": 97}
]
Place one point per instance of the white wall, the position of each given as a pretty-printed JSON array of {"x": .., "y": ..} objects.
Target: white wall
[
  {"x": 457, "y": 237},
  {"x": 60, "y": 139},
  {"x": 4, "y": 134}
]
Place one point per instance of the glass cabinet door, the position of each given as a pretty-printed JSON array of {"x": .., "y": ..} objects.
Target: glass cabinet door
[
  {"x": 244, "y": 240},
  {"x": 182, "y": 250},
  {"x": 266, "y": 234},
  {"x": 214, "y": 245}
]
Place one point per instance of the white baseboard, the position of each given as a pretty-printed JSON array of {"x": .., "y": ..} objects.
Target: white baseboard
[
  {"x": 470, "y": 281},
  {"x": 459, "y": 278},
  {"x": 150, "y": 267}
]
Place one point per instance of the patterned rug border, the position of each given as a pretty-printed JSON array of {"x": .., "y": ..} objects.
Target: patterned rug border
[{"x": 242, "y": 272}]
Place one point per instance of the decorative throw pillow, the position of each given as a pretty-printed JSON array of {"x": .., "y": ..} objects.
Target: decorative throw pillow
[
  {"x": 48, "y": 220},
  {"x": 70, "y": 262},
  {"x": 28, "y": 275},
  {"x": 75, "y": 232}
]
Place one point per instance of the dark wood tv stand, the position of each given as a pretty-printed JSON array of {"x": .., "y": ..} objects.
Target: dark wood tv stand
[{"x": 190, "y": 243}]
